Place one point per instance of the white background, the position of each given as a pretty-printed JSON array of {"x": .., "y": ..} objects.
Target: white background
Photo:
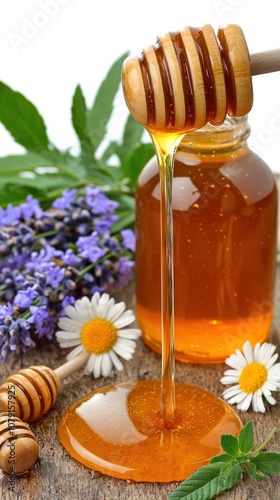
[{"x": 80, "y": 40}]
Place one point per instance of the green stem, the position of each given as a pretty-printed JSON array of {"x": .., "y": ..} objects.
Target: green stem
[{"x": 255, "y": 452}]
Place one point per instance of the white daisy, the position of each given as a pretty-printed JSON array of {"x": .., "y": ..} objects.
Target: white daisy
[
  {"x": 255, "y": 376},
  {"x": 96, "y": 326}
]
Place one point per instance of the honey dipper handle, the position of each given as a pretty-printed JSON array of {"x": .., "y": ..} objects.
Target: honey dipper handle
[
  {"x": 72, "y": 366},
  {"x": 265, "y": 62}
]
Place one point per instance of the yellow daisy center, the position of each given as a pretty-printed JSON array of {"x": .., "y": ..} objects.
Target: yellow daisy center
[
  {"x": 252, "y": 377},
  {"x": 98, "y": 335}
]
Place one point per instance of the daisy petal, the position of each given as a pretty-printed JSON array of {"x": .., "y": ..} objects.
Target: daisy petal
[
  {"x": 97, "y": 366},
  {"x": 78, "y": 350},
  {"x": 126, "y": 318},
  {"x": 129, "y": 333},
  {"x": 121, "y": 352},
  {"x": 115, "y": 360},
  {"x": 115, "y": 312},
  {"x": 244, "y": 405},
  {"x": 248, "y": 352},
  {"x": 229, "y": 380},
  {"x": 106, "y": 365}
]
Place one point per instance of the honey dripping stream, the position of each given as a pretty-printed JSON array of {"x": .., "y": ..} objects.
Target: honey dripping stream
[{"x": 165, "y": 146}]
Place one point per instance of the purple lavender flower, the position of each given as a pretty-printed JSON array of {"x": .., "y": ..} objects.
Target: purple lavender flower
[
  {"x": 64, "y": 202},
  {"x": 70, "y": 259},
  {"x": 50, "y": 259},
  {"x": 43, "y": 322},
  {"x": 10, "y": 215},
  {"x": 54, "y": 274},
  {"x": 129, "y": 240},
  {"x": 99, "y": 202},
  {"x": 125, "y": 270},
  {"x": 68, "y": 301},
  {"x": 24, "y": 298},
  {"x": 88, "y": 247},
  {"x": 31, "y": 208},
  {"x": 5, "y": 310},
  {"x": 14, "y": 333}
]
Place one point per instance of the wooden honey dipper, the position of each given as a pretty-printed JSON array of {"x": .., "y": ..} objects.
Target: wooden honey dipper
[
  {"x": 19, "y": 449},
  {"x": 192, "y": 77},
  {"x": 32, "y": 391}
]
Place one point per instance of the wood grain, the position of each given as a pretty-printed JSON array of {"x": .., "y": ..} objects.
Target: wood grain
[{"x": 57, "y": 476}]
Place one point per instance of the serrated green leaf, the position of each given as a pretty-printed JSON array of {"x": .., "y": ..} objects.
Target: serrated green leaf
[
  {"x": 205, "y": 484},
  {"x": 221, "y": 458},
  {"x": 267, "y": 462},
  {"x": 22, "y": 120},
  {"x": 230, "y": 445},
  {"x": 246, "y": 437},
  {"x": 225, "y": 471},
  {"x": 102, "y": 108},
  {"x": 252, "y": 471}
]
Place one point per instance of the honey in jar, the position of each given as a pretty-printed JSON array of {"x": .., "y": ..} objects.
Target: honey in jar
[{"x": 224, "y": 205}]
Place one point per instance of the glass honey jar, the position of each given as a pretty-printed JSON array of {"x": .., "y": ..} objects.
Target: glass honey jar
[{"x": 225, "y": 232}]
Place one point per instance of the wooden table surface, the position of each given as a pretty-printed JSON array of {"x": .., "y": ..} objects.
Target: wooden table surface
[{"x": 56, "y": 476}]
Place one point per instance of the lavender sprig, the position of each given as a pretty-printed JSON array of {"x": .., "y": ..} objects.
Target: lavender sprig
[{"x": 51, "y": 258}]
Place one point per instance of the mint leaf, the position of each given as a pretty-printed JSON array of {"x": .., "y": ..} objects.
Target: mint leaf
[
  {"x": 205, "y": 483},
  {"x": 252, "y": 471},
  {"x": 267, "y": 462},
  {"x": 22, "y": 120},
  {"x": 246, "y": 437},
  {"x": 230, "y": 445},
  {"x": 102, "y": 108},
  {"x": 226, "y": 471},
  {"x": 221, "y": 458}
]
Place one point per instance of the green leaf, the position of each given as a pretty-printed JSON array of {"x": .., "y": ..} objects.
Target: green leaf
[
  {"x": 102, "y": 108},
  {"x": 126, "y": 220},
  {"x": 18, "y": 163},
  {"x": 136, "y": 161},
  {"x": 246, "y": 437},
  {"x": 221, "y": 458},
  {"x": 230, "y": 445},
  {"x": 15, "y": 194},
  {"x": 225, "y": 471},
  {"x": 252, "y": 471},
  {"x": 45, "y": 181},
  {"x": 267, "y": 462},
  {"x": 132, "y": 134},
  {"x": 80, "y": 119},
  {"x": 22, "y": 120},
  {"x": 205, "y": 483}
]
